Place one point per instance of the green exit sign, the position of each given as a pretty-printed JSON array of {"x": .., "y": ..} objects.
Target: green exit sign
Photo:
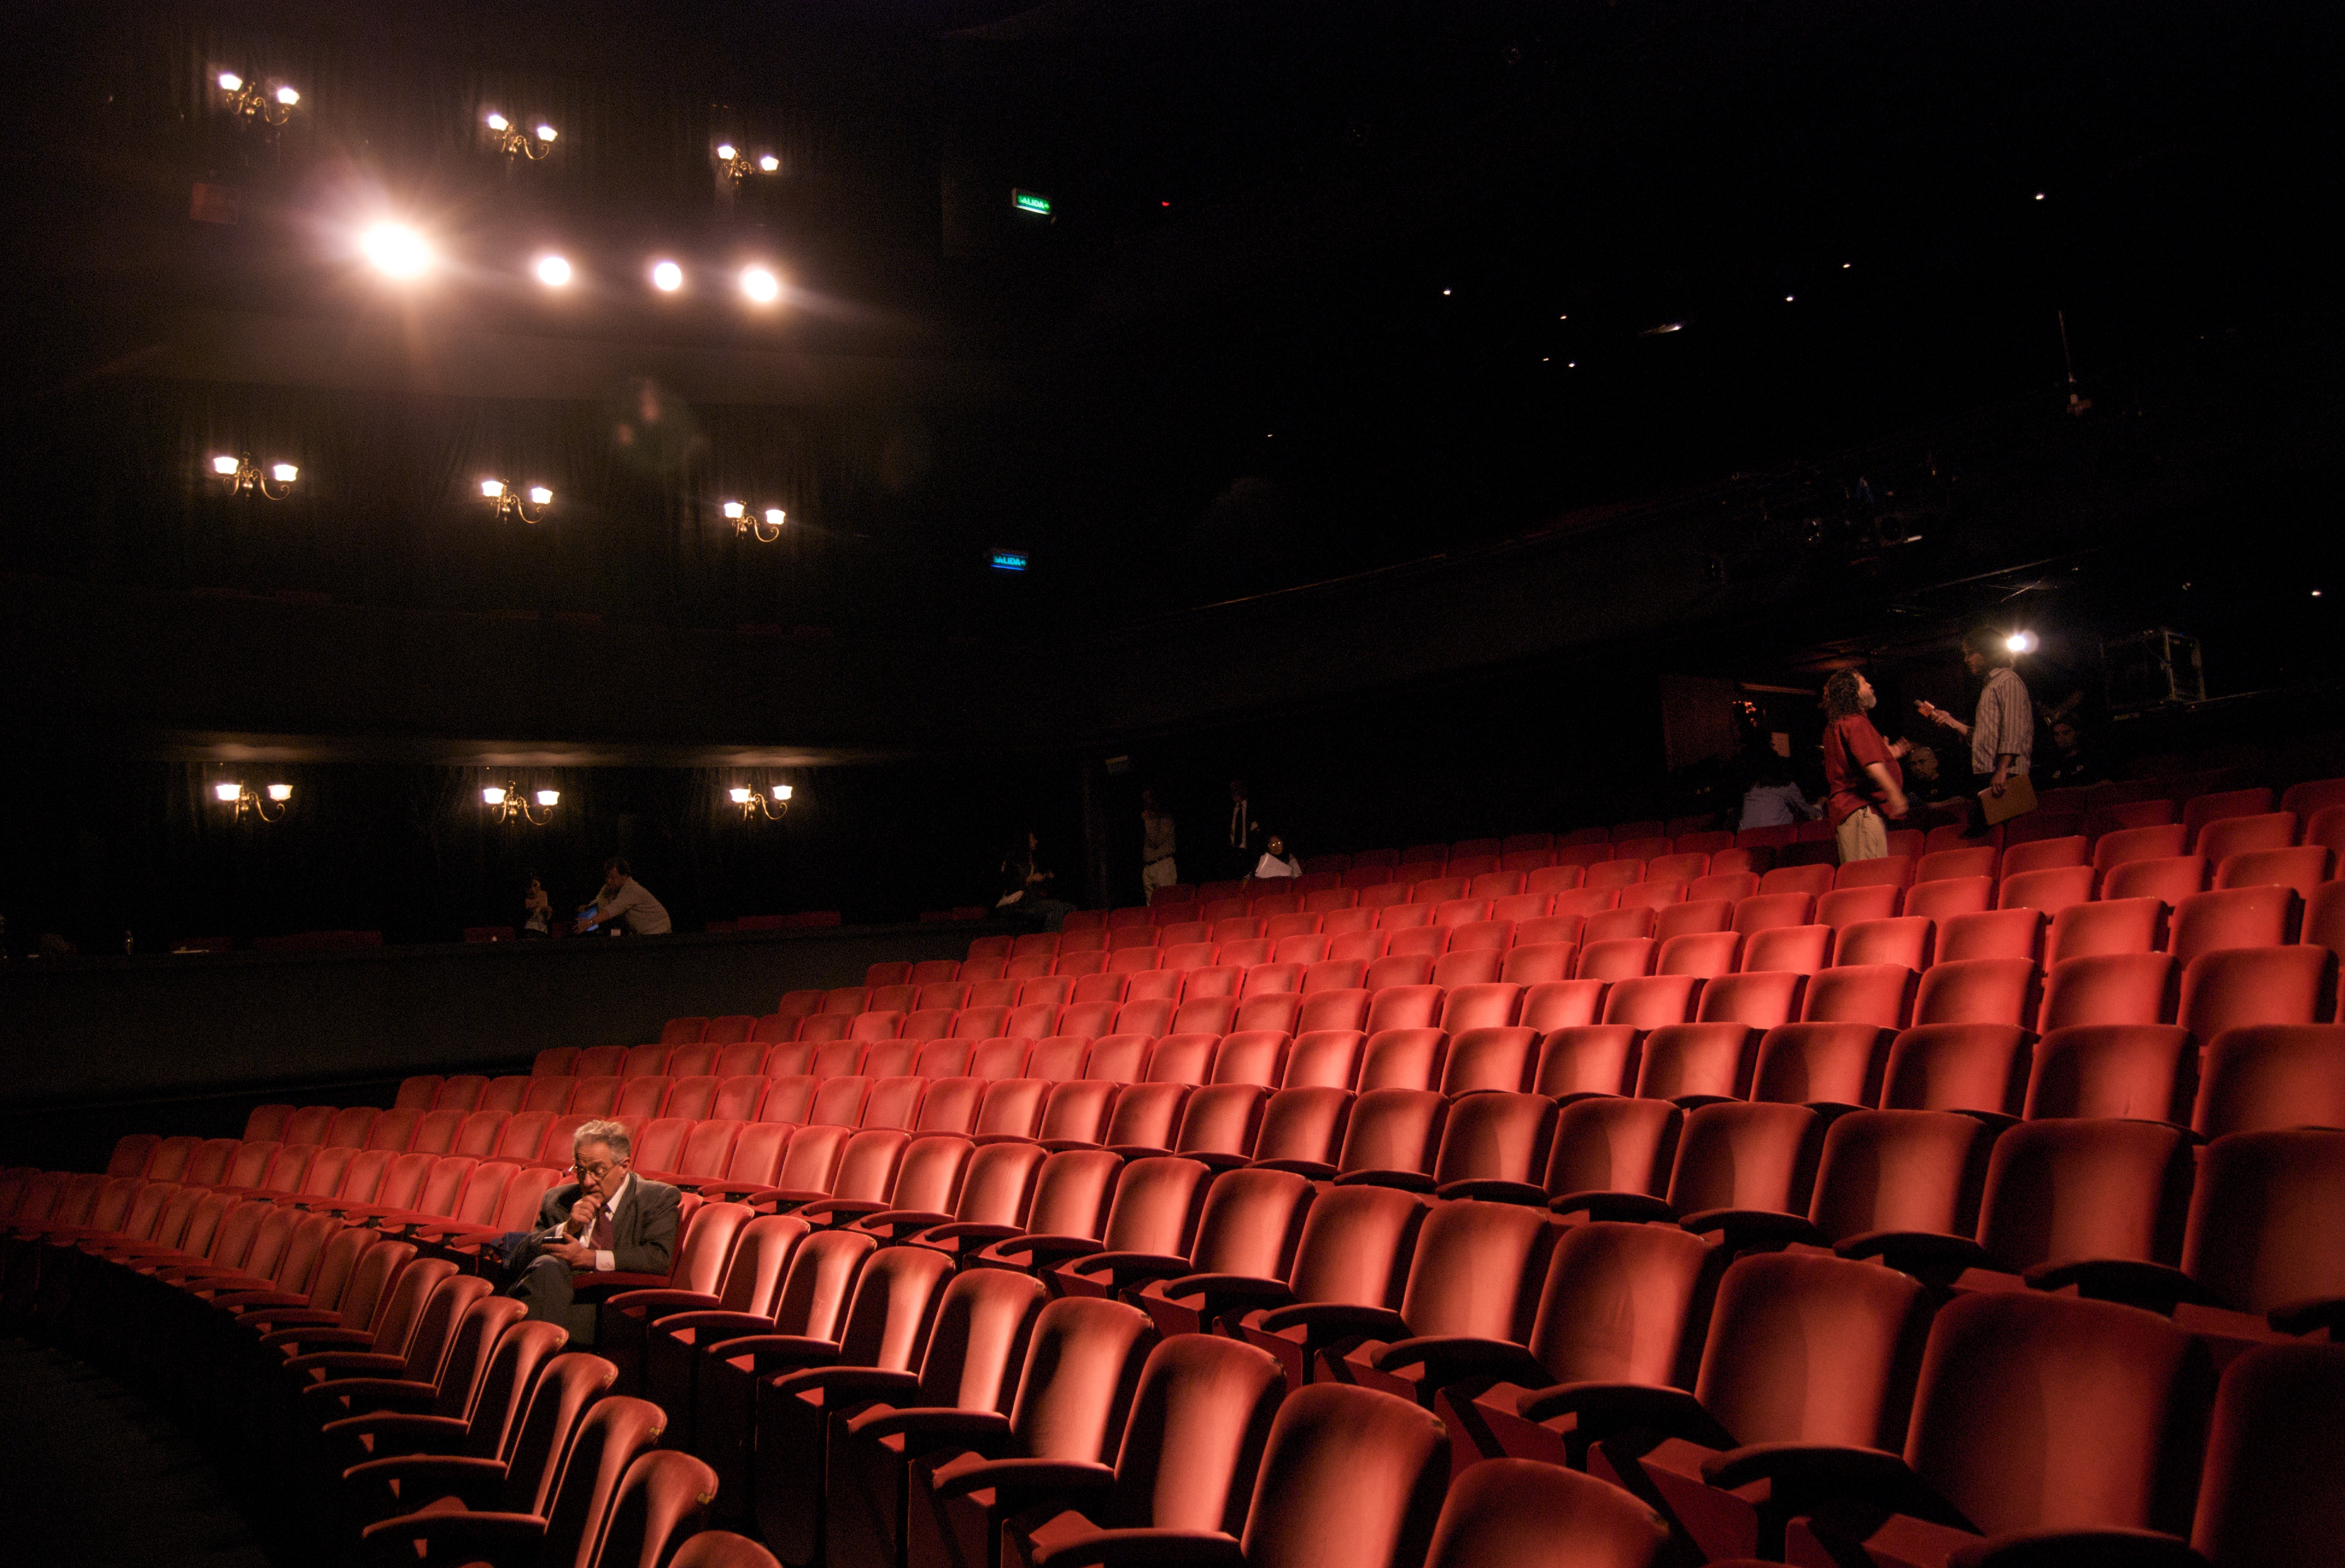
[{"x": 1030, "y": 201}]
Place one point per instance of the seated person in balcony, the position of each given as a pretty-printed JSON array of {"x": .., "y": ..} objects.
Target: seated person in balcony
[
  {"x": 1156, "y": 867},
  {"x": 1774, "y": 799},
  {"x": 608, "y": 1221},
  {"x": 625, "y": 898},
  {"x": 1276, "y": 861},
  {"x": 537, "y": 910},
  {"x": 1026, "y": 884}
]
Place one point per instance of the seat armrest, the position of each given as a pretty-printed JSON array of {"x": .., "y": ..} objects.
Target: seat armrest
[
  {"x": 1122, "y": 1269},
  {"x": 354, "y": 1363},
  {"x": 1494, "y": 1189},
  {"x": 1022, "y": 1482},
  {"x": 2304, "y": 1317},
  {"x": 711, "y": 1329},
  {"x": 1812, "y": 1471},
  {"x": 925, "y": 1430},
  {"x": 425, "y": 1476},
  {"x": 456, "y": 1537},
  {"x": 1604, "y": 1409},
  {"x": 2056, "y": 1548},
  {"x": 964, "y": 1230},
  {"x": 319, "y": 1334},
  {"x": 1220, "y": 1293},
  {"x": 899, "y": 1224},
  {"x": 834, "y": 1208},
  {"x": 840, "y": 1385},
  {"x": 1406, "y": 1181},
  {"x": 1039, "y": 1253},
  {"x": 1741, "y": 1229},
  {"x": 365, "y": 1396},
  {"x": 1325, "y": 1321},
  {"x": 1146, "y": 1549},
  {"x": 655, "y": 1304},
  {"x": 389, "y": 1434},
  {"x": 770, "y": 1353},
  {"x": 587, "y": 1285},
  {"x": 244, "y": 1301},
  {"x": 1453, "y": 1358},
  {"x": 1635, "y": 1207},
  {"x": 1926, "y": 1255},
  {"x": 2133, "y": 1282}
]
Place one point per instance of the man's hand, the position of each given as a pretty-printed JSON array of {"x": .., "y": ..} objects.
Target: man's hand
[
  {"x": 1894, "y": 806},
  {"x": 577, "y": 1254},
  {"x": 582, "y": 1212},
  {"x": 1996, "y": 786},
  {"x": 1899, "y": 747}
]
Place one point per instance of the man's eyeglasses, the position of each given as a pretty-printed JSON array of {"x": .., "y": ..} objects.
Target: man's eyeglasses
[{"x": 596, "y": 1171}]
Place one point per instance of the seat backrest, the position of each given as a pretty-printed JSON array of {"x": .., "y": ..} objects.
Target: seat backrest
[
  {"x": 820, "y": 1283},
  {"x": 1157, "y": 1200},
  {"x": 2110, "y": 1400},
  {"x": 2063, "y": 1191},
  {"x": 2271, "y": 1075},
  {"x": 1072, "y": 1192},
  {"x": 2272, "y": 1493},
  {"x": 1740, "y": 1156},
  {"x": 761, "y": 1258},
  {"x": 2268, "y": 1218},
  {"x": 1787, "y": 949},
  {"x": 2230, "y": 988},
  {"x": 1918, "y": 1170},
  {"x": 1200, "y": 1419},
  {"x": 2256, "y": 916},
  {"x": 1395, "y": 1133},
  {"x": 1690, "y": 1062},
  {"x": 1478, "y": 1270},
  {"x": 895, "y": 1297},
  {"x": 1082, "y": 1367},
  {"x": 1624, "y": 1303},
  {"x": 1760, "y": 1377},
  {"x": 615, "y": 1433},
  {"x": 2142, "y": 1072},
  {"x": 1586, "y": 1059},
  {"x": 565, "y": 1391},
  {"x": 1957, "y": 1067},
  {"x": 1350, "y": 1475}
]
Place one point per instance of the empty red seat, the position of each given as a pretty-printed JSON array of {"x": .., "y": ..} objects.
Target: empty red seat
[
  {"x": 1703, "y": 953},
  {"x": 2110, "y": 988},
  {"x": 2162, "y": 841},
  {"x": 1538, "y": 962},
  {"x": 2262, "y": 1077},
  {"x": 1489, "y": 1058},
  {"x": 1712, "y": 914},
  {"x": 1877, "y": 994},
  {"x": 1819, "y": 1064},
  {"x": 2043, "y": 854},
  {"x": 1845, "y": 906},
  {"x": 1324, "y": 1058},
  {"x": 1968, "y": 1066},
  {"x": 1946, "y": 899},
  {"x": 1907, "y": 940},
  {"x": 1978, "y": 991},
  {"x": 1647, "y": 1002},
  {"x": 2200, "y": 810},
  {"x": 2171, "y": 878},
  {"x": 1978, "y": 860},
  {"x": 1407, "y": 1058},
  {"x": 2143, "y": 1072},
  {"x": 2303, "y": 868},
  {"x": 1815, "y": 881},
  {"x": 1731, "y": 885},
  {"x": 2109, "y": 926},
  {"x": 1993, "y": 934},
  {"x": 2232, "y": 987},
  {"x": 1556, "y": 1003},
  {"x": 2051, "y": 890},
  {"x": 1619, "y": 924},
  {"x": 1393, "y": 1137},
  {"x": 1760, "y": 999},
  {"x": 1617, "y": 960},
  {"x": 2263, "y": 917}
]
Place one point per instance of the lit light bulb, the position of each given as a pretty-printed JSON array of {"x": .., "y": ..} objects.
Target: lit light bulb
[
  {"x": 280, "y": 792},
  {"x": 545, "y": 133},
  {"x": 492, "y": 488},
  {"x": 760, "y": 285},
  {"x": 497, "y": 122},
  {"x": 288, "y": 97},
  {"x": 554, "y": 271},
  {"x": 231, "y": 81},
  {"x": 539, "y": 495},
  {"x": 774, "y": 516},
  {"x": 2021, "y": 641},
  {"x": 769, "y": 163},
  {"x": 725, "y": 151},
  {"x": 284, "y": 473},
  {"x": 666, "y": 276},
  {"x": 740, "y": 797},
  {"x": 227, "y": 792},
  {"x": 494, "y": 795},
  {"x": 781, "y": 792},
  {"x": 397, "y": 251},
  {"x": 733, "y": 510},
  {"x": 224, "y": 466},
  {"x": 549, "y": 797}
]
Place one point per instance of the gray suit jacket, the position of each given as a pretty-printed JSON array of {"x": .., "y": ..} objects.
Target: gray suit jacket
[{"x": 643, "y": 1232}]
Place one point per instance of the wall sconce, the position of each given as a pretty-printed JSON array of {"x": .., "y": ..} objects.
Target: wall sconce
[
  {"x": 252, "y": 102},
  {"x": 754, "y": 804},
  {"x": 508, "y": 500},
  {"x": 280, "y": 796},
  {"x": 244, "y": 475},
  {"x": 509, "y": 802},
  {"x": 755, "y": 527},
  {"x": 736, "y": 166},
  {"x": 514, "y": 142}
]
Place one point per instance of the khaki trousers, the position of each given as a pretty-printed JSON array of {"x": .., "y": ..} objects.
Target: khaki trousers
[{"x": 1862, "y": 836}]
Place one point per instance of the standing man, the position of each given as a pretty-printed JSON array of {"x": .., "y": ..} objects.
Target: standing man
[
  {"x": 1860, "y": 769},
  {"x": 1156, "y": 867},
  {"x": 609, "y": 1220},
  {"x": 2002, "y": 731},
  {"x": 625, "y": 898},
  {"x": 1245, "y": 833}
]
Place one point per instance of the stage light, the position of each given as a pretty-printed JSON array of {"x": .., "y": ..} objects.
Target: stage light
[
  {"x": 1787, "y": 299},
  {"x": 552, "y": 271},
  {"x": 666, "y": 276},
  {"x": 744, "y": 522},
  {"x": 1445, "y": 294},
  {"x": 247, "y": 101},
  {"x": 395, "y": 250},
  {"x": 769, "y": 164},
  {"x": 2021, "y": 641},
  {"x": 2039, "y": 195},
  {"x": 244, "y": 475},
  {"x": 760, "y": 285},
  {"x": 755, "y": 804},
  {"x": 230, "y": 82},
  {"x": 514, "y": 142}
]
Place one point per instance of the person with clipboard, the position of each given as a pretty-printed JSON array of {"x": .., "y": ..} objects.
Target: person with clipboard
[{"x": 2002, "y": 731}]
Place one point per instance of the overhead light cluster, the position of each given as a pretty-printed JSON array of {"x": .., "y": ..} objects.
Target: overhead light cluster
[{"x": 401, "y": 252}]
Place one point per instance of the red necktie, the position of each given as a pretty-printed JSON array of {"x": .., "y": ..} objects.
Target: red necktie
[{"x": 600, "y": 1237}]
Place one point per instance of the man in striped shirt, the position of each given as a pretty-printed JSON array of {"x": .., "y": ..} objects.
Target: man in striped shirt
[{"x": 2002, "y": 731}]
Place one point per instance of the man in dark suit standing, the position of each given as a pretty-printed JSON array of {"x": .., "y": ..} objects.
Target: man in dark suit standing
[{"x": 609, "y": 1220}]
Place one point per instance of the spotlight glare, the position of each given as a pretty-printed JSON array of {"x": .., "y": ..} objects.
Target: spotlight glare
[
  {"x": 774, "y": 516},
  {"x": 288, "y": 97},
  {"x": 284, "y": 473},
  {"x": 545, "y": 133},
  {"x": 223, "y": 465},
  {"x": 492, "y": 488},
  {"x": 494, "y": 795},
  {"x": 497, "y": 122},
  {"x": 231, "y": 81},
  {"x": 2021, "y": 641},
  {"x": 280, "y": 792},
  {"x": 540, "y": 496},
  {"x": 397, "y": 251},
  {"x": 227, "y": 792},
  {"x": 725, "y": 150},
  {"x": 769, "y": 163},
  {"x": 549, "y": 797},
  {"x": 666, "y": 276},
  {"x": 739, "y": 795},
  {"x": 554, "y": 271},
  {"x": 760, "y": 285},
  {"x": 733, "y": 511}
]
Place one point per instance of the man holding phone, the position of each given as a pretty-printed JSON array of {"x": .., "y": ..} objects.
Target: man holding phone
[{"x": 608, "y": 1221}]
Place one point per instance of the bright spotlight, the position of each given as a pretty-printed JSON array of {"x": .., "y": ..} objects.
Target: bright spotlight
[
  {"x": 540, "y": 496},
  {"x": 769, "y": 163},
  {"x": 760, "y": 285},
  {"x": 725, "y": 151},
  {"x": 284, "y": 473},
  {"x": 492, "y": 488},
  {"x": 666, "y": 276},
  {"x": 775, "y": 516},
  {"x": 545, "y": 133},
  {"x": 231, "y": 81},
  {"x": 497, "y": 122},
  {"x": 397, "y": 251},
  {"x": 288, "y": 97},
  {"x": 552, "y": 271},
  {"x": 223, "y": 465},
  {"x": 2021, "y": 641},
  {"x": 733, "y": 511}
]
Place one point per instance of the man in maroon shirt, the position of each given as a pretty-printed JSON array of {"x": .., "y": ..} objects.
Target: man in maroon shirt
[{"x": 1861, "y": 769}]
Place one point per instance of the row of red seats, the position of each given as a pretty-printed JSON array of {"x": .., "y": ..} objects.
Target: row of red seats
[{"x": 1489, "y": 1287}]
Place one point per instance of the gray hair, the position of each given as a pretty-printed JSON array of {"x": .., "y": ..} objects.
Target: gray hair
[{"x": 611, "y": 1133}]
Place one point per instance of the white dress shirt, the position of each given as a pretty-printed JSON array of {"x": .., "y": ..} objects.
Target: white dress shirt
[{"x": 603, "y": 1263}]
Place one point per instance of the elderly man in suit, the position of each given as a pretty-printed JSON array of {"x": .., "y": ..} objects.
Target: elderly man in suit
[{"x": 609, "y": 1220}]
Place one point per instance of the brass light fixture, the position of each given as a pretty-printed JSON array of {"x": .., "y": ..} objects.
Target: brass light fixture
[
  {"x": 249, "y": 101},
  {"x": 736, "y": 166},
  {"x": 756, "y": 526},
  {"x": 279, "y": 796},
  {"x": 507, "y": 500},
  {"x": 754, "y": 803},
  {"x": 514, "y": 142},
  {"x": 246, "y": 477},
  {"x": 508, "y": 801}
]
